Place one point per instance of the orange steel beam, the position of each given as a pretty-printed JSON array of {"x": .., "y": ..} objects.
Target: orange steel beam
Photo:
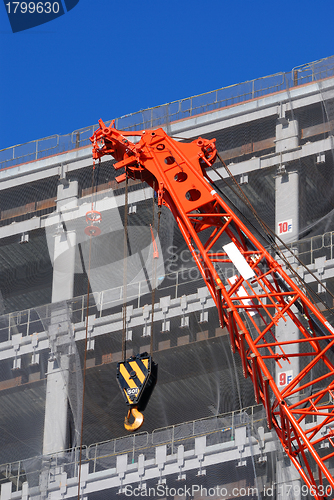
[{"x": 260, "y": 296}]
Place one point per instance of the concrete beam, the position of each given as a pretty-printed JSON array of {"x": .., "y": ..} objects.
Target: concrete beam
[{"x": 205, "y": 123}]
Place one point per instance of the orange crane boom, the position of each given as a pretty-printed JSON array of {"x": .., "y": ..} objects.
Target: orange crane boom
[{"x": 251, "y": 303}]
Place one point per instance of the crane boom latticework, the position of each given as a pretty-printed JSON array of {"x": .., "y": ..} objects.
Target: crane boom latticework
[{"x": 251, "y": 303}]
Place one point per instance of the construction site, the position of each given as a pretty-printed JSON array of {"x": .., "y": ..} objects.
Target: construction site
[{"x": 183, "y": 254}]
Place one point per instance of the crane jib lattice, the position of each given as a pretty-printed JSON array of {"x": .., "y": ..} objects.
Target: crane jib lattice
[{"x": 250, "y": 304}]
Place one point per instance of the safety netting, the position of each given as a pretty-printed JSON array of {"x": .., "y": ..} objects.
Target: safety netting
[{"x": 72, "y": 299}]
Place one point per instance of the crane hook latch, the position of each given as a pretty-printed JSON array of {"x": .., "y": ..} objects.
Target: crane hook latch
[{"x": 138, "y": 419}]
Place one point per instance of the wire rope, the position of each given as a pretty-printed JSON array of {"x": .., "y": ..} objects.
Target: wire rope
[
  {"x": 154, "y": 265},
  {"x": 86, "y": 334},
  {"x": 125, "y": 265},
  {"x": 271, "y": 236}
]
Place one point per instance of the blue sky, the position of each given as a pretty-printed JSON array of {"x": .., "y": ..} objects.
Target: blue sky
[{"x": 107, "y": 58}]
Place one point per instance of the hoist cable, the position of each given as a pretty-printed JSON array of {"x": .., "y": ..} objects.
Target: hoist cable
[
  {"x": 271, "y": 241},
  {"x": 86, "y": 337},
  {"x": 153, "y": 273},
  {"x": 272, "y": 236},
  {"x": 154, "y": 264},
  {"x": 125, "y": 265}
]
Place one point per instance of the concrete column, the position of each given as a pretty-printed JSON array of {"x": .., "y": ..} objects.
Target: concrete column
[
  {"x": 56, "y": 406},
  {"x": 287, "y": 133},
  {"x": 287, "y": 128},
  {"x": 56, "y": 423},
  {"x": 63, "y": 265},
  {"x": 287, "y": 228},
  {"x": 287, "y": 179},
  {"x": 64, "y": 245},
  {"x": 288, "y": 481}
]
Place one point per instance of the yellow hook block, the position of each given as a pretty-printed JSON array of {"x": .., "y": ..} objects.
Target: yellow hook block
[{"x": 138, "y": 420}]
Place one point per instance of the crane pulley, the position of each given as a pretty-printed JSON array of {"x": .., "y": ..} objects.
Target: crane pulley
[{"x": 259, "y": 297}]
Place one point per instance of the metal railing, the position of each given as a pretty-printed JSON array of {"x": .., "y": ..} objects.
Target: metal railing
[
  {"x": 29, "y": 470},
  {"x": 309, "y": 249},
  {"x": 35, "y": 320},
  {"x": 177, "y": 110},
  {"x": 218, "y": 429}
]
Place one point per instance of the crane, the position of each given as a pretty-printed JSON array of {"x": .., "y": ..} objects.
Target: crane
[{"x": 250, "y": 304}]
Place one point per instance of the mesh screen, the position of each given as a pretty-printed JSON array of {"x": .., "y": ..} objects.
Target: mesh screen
[{"x": 201, "y": 390}]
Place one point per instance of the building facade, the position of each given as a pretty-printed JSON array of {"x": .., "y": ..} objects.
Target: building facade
[{"x": 62, "y": 296}]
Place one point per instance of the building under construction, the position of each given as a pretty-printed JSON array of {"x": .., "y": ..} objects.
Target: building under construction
[{"x": 92, "y": 270}]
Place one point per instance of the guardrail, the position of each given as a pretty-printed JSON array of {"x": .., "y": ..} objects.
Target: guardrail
[
  {"x": 164, "y": 114},
  {"x": 100, "y": 456},
  {"x": 218, "y": 429},
  {"x": 309, "y": 249},
  {"x": 34, "y": 320},
  {"x": 29, "y": 470},
  {"x": 103, "y": 455}
]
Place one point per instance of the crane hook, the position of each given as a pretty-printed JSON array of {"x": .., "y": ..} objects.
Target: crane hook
[{"x": 138, "y": 420}]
